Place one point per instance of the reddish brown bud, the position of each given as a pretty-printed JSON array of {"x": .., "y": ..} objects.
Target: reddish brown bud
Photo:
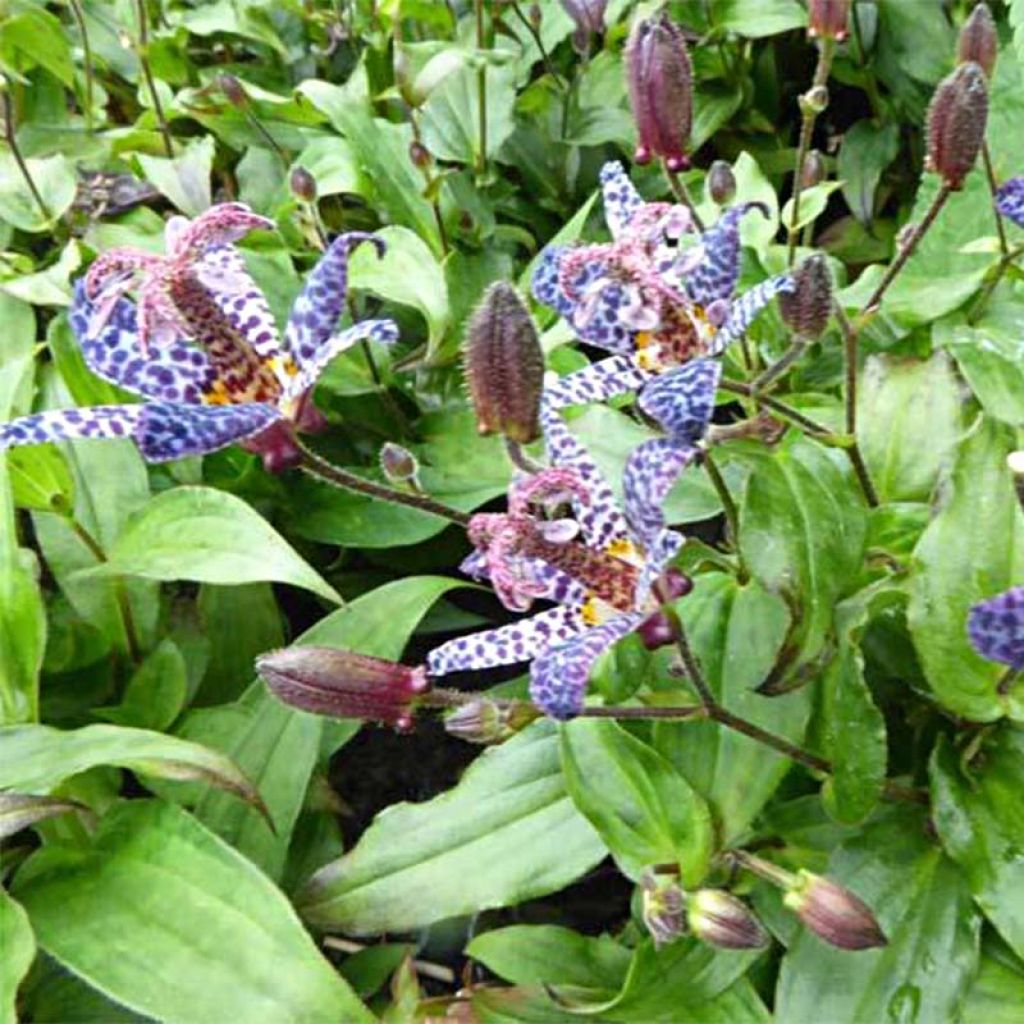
[
  {"x": 956, "y": 124},
  {"x": 662, "y": 908},
  {"x": 720, "y": 919},
  {"x": 721, "y": 183},
  {"x": 660, "y": 81},
  {"x": 303, "y": 185},
  {"x": 504, "y": 366},
  {"x": 978, "y": 40},
  {"x": 815, "y": 171},
  {"x": 233, "y": 92},
  {"x": 806, "y": 310},
  {"x": 342, "y": 684},
  {"x": 827, "y": 19},
  {"x": 833, "y": 913},
  {"x": 484, "y": 721},
  {"x": 398, "y": 464},
  {"x": 419, "y": 155}
]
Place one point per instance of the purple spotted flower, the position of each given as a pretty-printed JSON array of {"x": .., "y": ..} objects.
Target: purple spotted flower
[
  {"x": 605, "y": 569},
  {"x": 652, "y": 300},
  {"x": 200, "y": 345},
  {"x": 996, "y": 628},
  {"x": 1010, "y": 200}
]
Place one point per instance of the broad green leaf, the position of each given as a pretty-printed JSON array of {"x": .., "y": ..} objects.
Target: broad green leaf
[
  {"x": 737, "y": 633},
  {"x": 35, "y": 36},
  {"x": 156, "y": 692},
  {"x": 868, "y": 148},
  {"x": 508, "y": 832},
  {"x": 640, "y": 804},
  {"x": 54, "y": 178},
  {"x": 924, "y": 908},
  {"x": 757, "y": 18},
  {"x": 756, "y": 230},
  {"x": 997, "y": 992},
  {"x": 333, "y": 164},
  {"x": 972, "y": 549},
  {"x": 980, "y": 822},
  {"x": 183, "y": 179},
  {"x": 163, "y": 916},
  {"x": 18, "y": 811},
  {"x": 812, "y": 205},
  {"x": 40, "y": 478},
  {"x": 909, "y": 423},
  {"x": 19, "y": 949},
  {"x": 198, "y": 533}
]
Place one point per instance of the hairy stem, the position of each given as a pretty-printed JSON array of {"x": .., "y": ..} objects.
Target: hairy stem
[
  {"x": 12, "y": 142},
  {"x": 142, "y": 52},
  {"x": 481, "y": 87},
  {"x": 993, "y": 187},
  {"x": 79, "y": 16},
  {"x": 990, "y": 286},
  {"x": 798, "y": 418},
  {"x": 680, "y": 191}
]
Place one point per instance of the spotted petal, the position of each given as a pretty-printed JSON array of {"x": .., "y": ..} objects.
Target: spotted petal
[
  {"x": 545, "y": 283},
  {"x": 506, "y": 645},
  {"x": 220, "y": 225},
  {"x": 683, "y": 399},
  {"x": 715, "y": 277},
  {"x": 1010, "y": 200},
  {"x": 597, "y": 382},
  {"x": 743, "y": 311},
  {"x": 171, "y": 431},
  {"x": 621, "y": 199},
  {"x": 558, "y": 678},
  {"x": 99, "y": 422},
  {"x": 996, "y": 628},
  {"x": 321, "y": 302},
  {"x": 651, "y": 471}
]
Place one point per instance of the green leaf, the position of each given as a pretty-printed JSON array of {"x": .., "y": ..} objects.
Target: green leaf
[
  {"x": 977, "y": 815},
  {"x": 333, "y": 164},
  {"x": 156, "y": 692},
  {"x": 972, "y": 549},
  {"x": 40, "y": 478},
  {"x": 18, "y": 811},
  {"x": 909, "y": 423},
  {"x": 812, "y": 204},
  {"x": 756, "y": 18},
  {"x": 163, "y": 916},
  {"x": 868, "y": 148},
  {"x": 508, "y": 832},
  {"x": 38, "y": 38},
  {"x": 183, "y": 179},
  {"x": 997, "y": 992},
  {"x": 198, "y": 533},
  {"x": 925, "y": 911},
  {"x": 54, "y": 178},
  {"x": 19, "y": 948},
  {"x": 641, "y": 806},
  {"x": 752, "y": 186},
  {"x": 737, "y": 632}
]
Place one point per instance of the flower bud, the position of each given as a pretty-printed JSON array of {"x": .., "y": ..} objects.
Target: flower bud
[
  {"x": 978, "y": 40},
  {"x": 504, "y": 365},
  {"x": 827, "y": 19},
  {"x": 233, "y": 92},
  {"x": 484, "y": 721},
  {"x": 343, "y": 684},
  {"x": 815, "y": 100},
  {"x": 398, "y": 464},
  {"x": 419, "y": 155},
  {"x": 536, "y": 16},
  {"x": 589, "y": 18},
  {"x": 662, "y": 908},
  {"x": 720, "y": 919},
  {"x": 660, "y": 81},
  {"x": 996, "y": 628},
  {"x": 303, "y": 185},
  {"x": 806, "y": 309},
  {"x": 815, "y": 171},
  {"x": 721, "y": 183},
  {"x": 956, "y": 124},
  {"x": 833, "y": 913}
]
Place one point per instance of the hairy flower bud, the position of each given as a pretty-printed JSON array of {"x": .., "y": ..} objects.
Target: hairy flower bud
[
  {"x": 978, "y": 40},
  {"x": 660, "y": 81},
  {"x": 419, "y": 155},
  {"x": 721, "y": 183},
  {"x": 806, "y": 309},
  {"x": 956, "y": 124},
  {"x": 398, "y": 464},
  {"x": 303, "y": 185},
  {"x": 662, "y": 908},
  {"x": 827, "y": 19},
  {"x": 720, "y": 919},
  {"x": 833, "y": 913},
  {"x": 815, "y": 171},
  {"x": 504, "y": 365},
  {"x": 232, "y": 89},
  {"x": 484, "y": 721},
  {"x": 343, "y": 684}
]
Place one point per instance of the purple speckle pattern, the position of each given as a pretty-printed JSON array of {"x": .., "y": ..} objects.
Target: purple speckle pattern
[
  {"x": 602, "y": 380},
  {"x": 1010, "y": 200},
  {"x": 321, "y": 302},
  {"x": 682, "y": 400},
  {"x": 621, "y": 199},
  {"x": 745, "y": 308},
  {"x": 716, "y": 275},
  {"x": 651, "y": 471},
  {"x": 101, "y": 421},
  {"x": 996, "y": 628},
  {"x": 169, "y": 431}
]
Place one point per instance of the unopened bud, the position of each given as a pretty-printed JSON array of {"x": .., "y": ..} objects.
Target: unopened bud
[
  {"x": 398, "y": 464},
  {"x": 343, "y": 684},
  {"x": 419, "y": 155},
  {"x": 662, "y": 908},
  {"x": 485, "y": 721},
  {"x": 303, "y": 185},
  {"x": 660, "y": 81},
  {"x": 815, "y": 100},
  {"x": 536, "y": 16},
  {"x": 806, "y": 309},
  {"x": 827, "y": 19},
  {"x": 978, "y": 40},
  {"x": 721, "y": 183},
  {"x": 833, "y": 913},
  {"x": 814, "y": 171},
  {"x": 956, "y": 124},
  {"x": 504, "y": 366},
  {"x": 233, "y": 92},
  {"x": 720, "y": 919},
  {"x": 588, "y": 16}
]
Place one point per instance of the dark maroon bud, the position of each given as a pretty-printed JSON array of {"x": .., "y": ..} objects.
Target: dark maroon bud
[
  {"x": 658, "y": 630},
  {"x": 303, "y": 185},
  {"x": 419, "y": 154},
  {"x": 232, "y": 89},
  {"x": 660, "y": 81},
  {"x": 674, "y": 584},
  {"x": 806, "y": 310},
  {"x": 827, "y": 19},
  {"x": 721, "y": 183},
  {"x": 662, "y": 908},
  {"x": 278, "y": 447},
  {"x": 814, "y": 172},
  {"x": 504, "y": 366},
  {"x": 978, "y": 40},
  {"x": 833, "y": 913},
  {"x": 956, "y": 124},
  {"x": 343, "y": 684},
  {"x": 398, "y": 464},
  {"x": 720, "y": 919}
]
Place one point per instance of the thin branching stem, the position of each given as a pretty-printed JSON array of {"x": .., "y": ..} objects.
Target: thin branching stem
[
  {"x": 993, "y": 187},
  {"x": 142, "y": 52},
  {"x": 682, "y": 194},
  {"x": 990, "y": 286},
  {"x": 481, "y": 85},
  {"x": 732, "y": 518},
  {"x": 544, "y": 55},
  {"x": 79, "y": 16},
  {"x": 12, "y": 142}
]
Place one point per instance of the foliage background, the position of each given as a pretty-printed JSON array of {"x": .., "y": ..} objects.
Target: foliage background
[{"x": 134, "y": 599}]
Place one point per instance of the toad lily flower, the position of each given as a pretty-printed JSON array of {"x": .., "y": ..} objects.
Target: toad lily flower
[
  {"x": 1010, "y": 200},
  {"x": 200, "y": 345},
  {"x": 996, "y": 628},
  {"x": 654, "y": 303},
  {"x": 606, "y": 571}
]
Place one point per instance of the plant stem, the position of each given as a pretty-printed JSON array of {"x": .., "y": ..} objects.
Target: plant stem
[
  {"x": 825, "y": 51},
  {"x": 779, "y": 367},
  {"x": 142, "y": 52},
  {"x": 18, "y": 158},
  {"x": 79, "y": 16},
  {"x": 763, "y": 868},
  {"x": 481, "y": 87},
  {"x": 805, "y": 422},
  {"x": 423, "y": 967},
  {"x": 329, "y": 473},
  {"x": 545, "y": 57},
  {"x": 275, "y": 146},
  {"x": 681, "y": 193},
  {"x": 428, "y": 178},
  {"x": 1006, "y": 681},
  {"x": 1001, "y": 267},
  {"x": 993, "y": 187},
  {"x": 732, "y": 518}
]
